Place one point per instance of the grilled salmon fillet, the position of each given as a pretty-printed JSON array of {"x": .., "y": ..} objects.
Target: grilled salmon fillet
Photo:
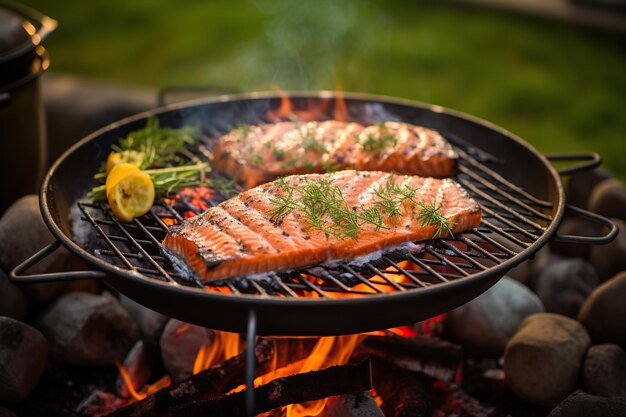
[
  {"x": 257, "y": 232},
  {"x": 261, "y": 153}
]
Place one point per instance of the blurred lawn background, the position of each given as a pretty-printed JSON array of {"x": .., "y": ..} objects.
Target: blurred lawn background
[{"x": 560, "y": 87}]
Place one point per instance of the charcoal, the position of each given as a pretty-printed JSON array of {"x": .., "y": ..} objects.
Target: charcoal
[
  {"x": 180, "y": 343},
  {"x": 88, "y": 329},
  {"x": 581, "y": 404},
  {"x": 542, "y": 361},
  {"x": 604, "y": 372},
  {"x": 604, "y": 311},
  {"x": 23, "y": 355},
  {"x": 564, "y": 284},
  {"x": 12, "y": 301},
  {"x": 485, "y": 325}
]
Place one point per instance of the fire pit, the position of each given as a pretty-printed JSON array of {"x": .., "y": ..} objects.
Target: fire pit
[{"x": 521, "y": 197}]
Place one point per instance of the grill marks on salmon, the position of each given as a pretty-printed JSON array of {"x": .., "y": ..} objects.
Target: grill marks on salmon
[
  {"x": 261, "y": 153},
  {"x": 240, "y": 236}
]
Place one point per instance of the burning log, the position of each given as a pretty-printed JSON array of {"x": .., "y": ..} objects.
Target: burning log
[
  {"x": 206, "y": 384},
  {"x": 295, "y": 389},
  {"x": 359, "y": 405},
  {"x": 219, "y": 379},
  {"x": 404, "y": 393},
  {"x": 429, "y": 355}
]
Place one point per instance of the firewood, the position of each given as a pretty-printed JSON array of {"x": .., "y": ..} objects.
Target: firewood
[
  {"x": 404, "y": 393},
  {"x": 209, "y": 383},
  {"x": 432, "y": 356},
  {"x": 295, "y": 389}
]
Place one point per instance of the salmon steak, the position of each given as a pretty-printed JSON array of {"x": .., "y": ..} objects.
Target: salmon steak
[
  {"x": 303, "y": 220},
  {"x": 261, "y": 153}
]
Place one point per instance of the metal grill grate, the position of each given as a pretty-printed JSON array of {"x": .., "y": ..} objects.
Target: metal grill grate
[{"x": 512, "y": 221}]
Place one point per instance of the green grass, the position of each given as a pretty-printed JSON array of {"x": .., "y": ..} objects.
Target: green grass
[{"x": 561, "y": 87}]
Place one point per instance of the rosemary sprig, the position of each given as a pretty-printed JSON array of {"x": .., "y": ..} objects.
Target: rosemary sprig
[
  {"x": 160, "y": 146},
  {"x": 166, "y": 180}
]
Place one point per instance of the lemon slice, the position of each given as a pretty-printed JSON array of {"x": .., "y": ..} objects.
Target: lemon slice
[
  {"x": 131, "y": 195},
  {"x": 118, "y": 172},
  {"x": 125, "y": 157}
]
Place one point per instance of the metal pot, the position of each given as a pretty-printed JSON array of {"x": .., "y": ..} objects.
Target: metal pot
[{"x": 22, "y": 119}]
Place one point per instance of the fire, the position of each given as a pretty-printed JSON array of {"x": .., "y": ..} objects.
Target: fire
[
  {"x": 223, "y": 347},
  {"x": 314, "y": 109}
]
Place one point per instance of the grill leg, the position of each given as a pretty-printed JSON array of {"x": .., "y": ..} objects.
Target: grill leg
[{"x": 250, "y": 363}]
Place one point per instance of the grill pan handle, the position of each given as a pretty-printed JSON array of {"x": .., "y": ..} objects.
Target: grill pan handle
[
  {"x": 592, "y": 160},
  {"x": 589, "y": 240},
  {"x": 17, "y": 278}
]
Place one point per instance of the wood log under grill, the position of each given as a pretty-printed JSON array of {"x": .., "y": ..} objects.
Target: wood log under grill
[{"x": 295, "y": 389}]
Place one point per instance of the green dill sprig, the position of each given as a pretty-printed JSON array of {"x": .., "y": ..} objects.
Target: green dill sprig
[
  {"x": 311, "y": 141},
  {"x": 324, "y": 208},
  {"x": 430, "y": 215},
  {"x": 380, "y": 140}
]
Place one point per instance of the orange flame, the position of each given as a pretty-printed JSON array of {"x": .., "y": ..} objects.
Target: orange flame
[
  {"x": 163, "y": 382},
  {"x": 314, "y": 110},
  {"x": 223, "y": 347}
]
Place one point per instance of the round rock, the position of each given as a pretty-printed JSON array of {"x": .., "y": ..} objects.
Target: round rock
[
  {"x": 604, "y": 371},
  {"x": 610, "y": 259},
  {"x": 180, "y": 344},
  {"x": 581, "y": 404},
  {"x": 581, "y": 185},
  {"x": 150, "y": 323},
  {"x": 88, "y": 329},
  {"x": 23, "y": 354},
  {"x": 604, "y": 312},
  {"x": 564, "y": 284},
  {"x": 22, "y": 233},
  {"x": 12, "y": 301},
  {"x": 609, "y": 199},
  {"x": 485, "y": 325},
  {"x": 543, "y": 359}
]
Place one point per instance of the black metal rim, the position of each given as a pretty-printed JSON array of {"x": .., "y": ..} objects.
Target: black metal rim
[{"x": 253, "y": 301}]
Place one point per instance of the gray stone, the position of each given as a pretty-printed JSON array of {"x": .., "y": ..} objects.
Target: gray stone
[
  {"x": 581, "y": 404},
  {"x": 484, "y": 325},
  {"x": 22, "y": 233},
  {"x": 581, "y": 185},
  {"x": 610, "y": 259},
  {"x": 88, "y": 329},
  {"x": 23, "y": 354},
  {"x": 12, "y": 301},
  {"x": 542, "y": 361},
  {"x": 150, "y": 323},
  {"x": 4, "y": 412},
  {"x": 604, "y": 371},
  {"x": 564, "y": 284},
  {"x": 180, "y": 344},
  {"x": 609, "y": 199},
  {"x": 604, "y": 312},
  {"x": 358, "y": 405}
]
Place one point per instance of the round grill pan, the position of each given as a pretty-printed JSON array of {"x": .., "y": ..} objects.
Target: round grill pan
[{"x": 520, "y": 192}]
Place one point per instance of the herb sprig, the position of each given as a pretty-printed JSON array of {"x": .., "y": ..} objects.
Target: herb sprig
[
  {"x": 380, "y": 140},
  {"x": 325, "y": 208}
]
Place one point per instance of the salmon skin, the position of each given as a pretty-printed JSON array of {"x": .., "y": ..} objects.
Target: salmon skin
[
  {"x": 261, "y": 153},
  {"x": 246, "y": 234}
]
